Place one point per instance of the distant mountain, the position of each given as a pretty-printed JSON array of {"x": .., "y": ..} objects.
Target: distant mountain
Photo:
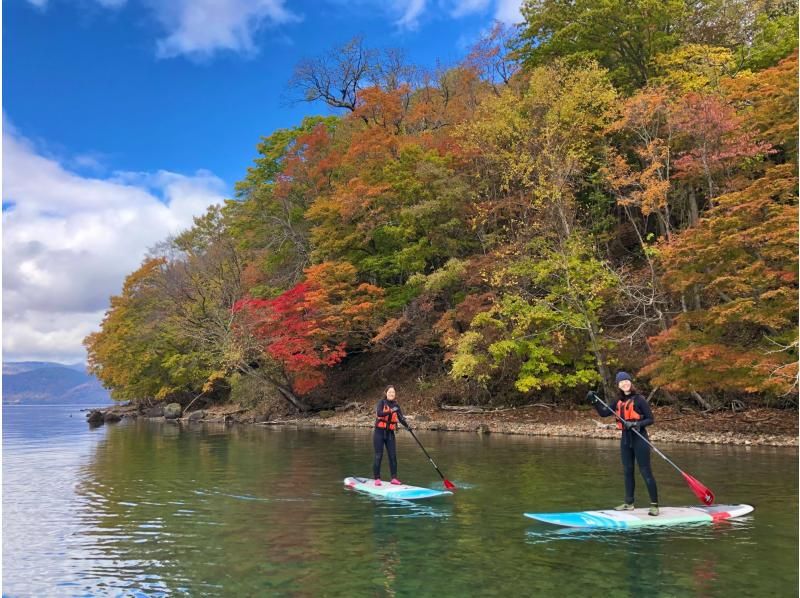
[
  {"x": 42, "y": 382},
  {"x": 17, "y": 367}
]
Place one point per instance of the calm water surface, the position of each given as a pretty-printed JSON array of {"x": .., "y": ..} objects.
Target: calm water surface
[{"x": 148, "y": 509}]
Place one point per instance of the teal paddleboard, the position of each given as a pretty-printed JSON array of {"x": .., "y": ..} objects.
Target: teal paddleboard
[
  {"x": 392, "y": 491},
  {"x": 639, "y": 517}
]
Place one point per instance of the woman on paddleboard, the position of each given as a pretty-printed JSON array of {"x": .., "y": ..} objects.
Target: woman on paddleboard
[
  {"x": 632, "y": 408},
  {"x": 389, "y": 415}
]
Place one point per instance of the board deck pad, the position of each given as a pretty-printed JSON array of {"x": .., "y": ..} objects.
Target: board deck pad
[
  {"x": 392, "y": 491},
  {"x": 639, "y": 517}
]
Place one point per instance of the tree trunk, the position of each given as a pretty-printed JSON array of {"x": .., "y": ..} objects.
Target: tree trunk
[
  {"x": 696, "y": 296},
  {"x": 694, "y": 213},
  {"x": 701, "y": 401},
  {"x": 299, "y": 404},
  {"x": 608, "y": 387},
  {"x": 672, "y": 400},
  {"x": 192, "y": 403},
  {"x": 285, "y": 391},
  {"x": 662, "y": 227}
]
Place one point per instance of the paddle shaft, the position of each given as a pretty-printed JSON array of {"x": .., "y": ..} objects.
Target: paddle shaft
[
  {"x": 662, "y": 455},
  {"x": 426, "y": 452}
]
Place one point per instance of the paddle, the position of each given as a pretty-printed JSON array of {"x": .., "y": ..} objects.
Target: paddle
[
  {"x": 700, "y": 491},
  {"x": 447, "y": 483}
]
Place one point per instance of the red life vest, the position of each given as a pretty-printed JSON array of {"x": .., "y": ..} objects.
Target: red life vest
[
  {"x": 387, "y": 419},
  {"x": 626, "y": 411}
]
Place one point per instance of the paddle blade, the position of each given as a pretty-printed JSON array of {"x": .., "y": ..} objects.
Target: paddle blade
[
  {"x": 700, "y": 491},
  {"x": 449, "y": 485}
]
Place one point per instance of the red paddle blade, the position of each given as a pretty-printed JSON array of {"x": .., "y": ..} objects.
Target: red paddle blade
[
  {"x": 704, "y": 494},
  {"x": 449, "y": 485}
]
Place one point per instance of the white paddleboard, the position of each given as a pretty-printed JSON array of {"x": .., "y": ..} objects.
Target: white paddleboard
[
  {"x": 611, "y": 519},
  {"x": 388, "y": 490}
]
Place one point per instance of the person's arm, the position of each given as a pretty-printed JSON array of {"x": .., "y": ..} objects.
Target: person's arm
[
  {"x": 643, "y": 407},
  {"x": 601, "y": 409},
  {"x": 379, "y": 408},
  {"x": 401, "y": 418}
]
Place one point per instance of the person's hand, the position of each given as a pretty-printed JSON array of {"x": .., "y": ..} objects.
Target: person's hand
[
  {"x": 591, "y": 397},
  {"x": 631, "y": 425}
]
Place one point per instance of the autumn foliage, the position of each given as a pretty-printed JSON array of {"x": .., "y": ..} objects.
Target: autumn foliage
[
  {"x": 562, "y": 203},
  {"x": 305, "y": 329}
]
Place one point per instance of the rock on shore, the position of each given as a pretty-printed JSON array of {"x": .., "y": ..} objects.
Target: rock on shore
[{"x": 755, "y": 427}]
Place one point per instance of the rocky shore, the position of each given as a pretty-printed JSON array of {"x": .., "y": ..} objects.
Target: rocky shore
[{"x": 755, "y": 427}]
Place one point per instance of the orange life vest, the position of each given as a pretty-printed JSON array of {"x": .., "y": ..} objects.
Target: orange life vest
[
  {"x": 626, "y": 411},
  {"x": 387, "y": 419}
]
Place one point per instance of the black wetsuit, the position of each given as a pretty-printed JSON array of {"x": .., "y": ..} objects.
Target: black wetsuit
[
  {"x": 633, "y": 449},
  {"x": 384, "y": 437}
]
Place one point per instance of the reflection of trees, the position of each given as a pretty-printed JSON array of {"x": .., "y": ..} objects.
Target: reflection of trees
[
  {"x": 388, "y": 554},
  {"x": 195, "y": 509},
  {"x": 250, "y": 511}
]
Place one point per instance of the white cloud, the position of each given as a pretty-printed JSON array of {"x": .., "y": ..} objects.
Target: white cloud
[
  {"x": 105, "y": 3},
  {"x": 462, "y": 8},
  {"x": 507, "y": 11},
  {"x": 199, "y": 28},
  {"x": 410, "y": 10},
  {"x": 91, "y": 162},
  {"x": 69, "y": 241}
]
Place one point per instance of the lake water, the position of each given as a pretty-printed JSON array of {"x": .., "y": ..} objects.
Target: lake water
[{"x": 157, "y": 509}]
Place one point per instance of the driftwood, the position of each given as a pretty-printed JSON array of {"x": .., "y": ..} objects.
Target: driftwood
[
  {"x": 479, "y": 409},
  {"x": 604, "y": 425},
  {"x": 227, "y": 413},
  {"x": 349, "y": 406},
  {"x": 701, "y": 401},
  {"x": 192, "y": 403}
]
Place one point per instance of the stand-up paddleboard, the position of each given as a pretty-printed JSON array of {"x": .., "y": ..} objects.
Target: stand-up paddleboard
[
  {"x": 387, "y": 490},
  {"x": 640, "y": 518}
]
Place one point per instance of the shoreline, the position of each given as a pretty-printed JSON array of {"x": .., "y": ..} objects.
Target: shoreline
[
  {"x": 560, "y": 431},
  {"x": 754, "y": 427}
]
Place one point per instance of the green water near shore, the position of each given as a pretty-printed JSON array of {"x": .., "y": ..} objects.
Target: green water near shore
[{"x": 154, "y": 509}]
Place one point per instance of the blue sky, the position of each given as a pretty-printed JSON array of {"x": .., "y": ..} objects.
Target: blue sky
[
  {"x": 102, "y": 81},
  {"x": 123, "y": 119}
]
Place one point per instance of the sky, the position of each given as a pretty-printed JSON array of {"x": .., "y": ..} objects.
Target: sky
[{"x": 123, "y": 119}]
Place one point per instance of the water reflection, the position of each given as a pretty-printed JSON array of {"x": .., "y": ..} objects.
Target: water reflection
[
  {"x": 406, "y": 509},
  {"x": 702, "y": 531},
  {"x": 648, "y": 554},
  {"x": 162, "y": 510}
]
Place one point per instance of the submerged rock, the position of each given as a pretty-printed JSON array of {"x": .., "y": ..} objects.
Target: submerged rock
[
  {"x": 95, "y": 417},
  {"x": 196, "y": 416},
  {"x": 157, "y": 411},
  {"x": 172, "y": 411}
]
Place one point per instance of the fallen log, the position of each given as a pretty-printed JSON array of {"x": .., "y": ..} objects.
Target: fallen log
[
  {"x": 479, "y": 409},
  {"x": 463, "y": 408}
]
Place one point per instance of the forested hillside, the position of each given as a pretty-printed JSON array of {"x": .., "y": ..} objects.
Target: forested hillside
[{"x": 612, "y": 185}]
